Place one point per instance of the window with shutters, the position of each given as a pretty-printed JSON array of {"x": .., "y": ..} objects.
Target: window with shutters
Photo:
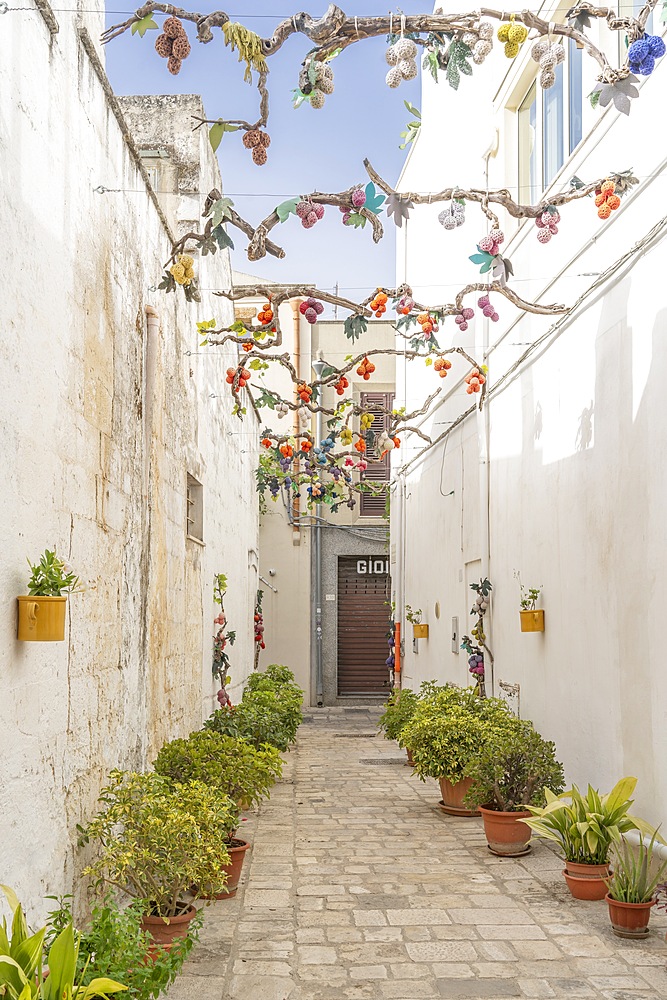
[{"x": 379, "y": 469}]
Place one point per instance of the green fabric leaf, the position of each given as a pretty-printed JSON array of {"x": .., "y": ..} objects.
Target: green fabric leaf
[
  {"x": 145, "y": 24},
  {"x": 221, "y": 237},
  {"x": 215, "y": 135},
  {"x": 221, "y": 209},
  {"x": 287, "y": 208},
  {"x": 374, "y": 201}
]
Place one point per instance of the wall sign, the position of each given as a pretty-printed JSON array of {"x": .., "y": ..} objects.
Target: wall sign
[{"x": 373, "y": 567}]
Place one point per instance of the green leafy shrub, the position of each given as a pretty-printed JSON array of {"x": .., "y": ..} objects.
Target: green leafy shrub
[
  {"x": 512, "y": 768},
  {"x": 269, "y": 712},
  {"x": 52, "y": 577},
  {"x": 586, "y": 826},
  {"x": 232, "y": 766},
  {"x": 448, "y": 730},
  {"x": 399, "y": 711},
  {"x": 158, "y": 839},
  {"x": 115, "y": 946}
]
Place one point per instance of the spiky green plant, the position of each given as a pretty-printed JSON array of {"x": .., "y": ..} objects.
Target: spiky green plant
[{"x": 635, "y": 877}]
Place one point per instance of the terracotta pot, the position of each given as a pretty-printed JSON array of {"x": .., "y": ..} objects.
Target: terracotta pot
[
  {"x": 586, "y": 888},
  {"x": 41, "y": 619},
  {"x": 237, "y": 849},
  {"x": 506, "y": 835},
  {"x": 629, "y": 920},
  {"x": 165, "y": 930},
  {"x": 532, "y": 621},
  {"x": 578, "y": 870},
  {"x": 453, "y": 795}
]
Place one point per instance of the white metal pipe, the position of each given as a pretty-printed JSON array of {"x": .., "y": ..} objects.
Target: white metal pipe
[{"x": 635, "y": 837}]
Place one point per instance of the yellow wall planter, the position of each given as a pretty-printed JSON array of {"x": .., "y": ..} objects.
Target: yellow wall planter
[
  {"x": 420, "y": 631},
  {"x": 532, "y": 621},
  {"x": 42, "y": 619}
]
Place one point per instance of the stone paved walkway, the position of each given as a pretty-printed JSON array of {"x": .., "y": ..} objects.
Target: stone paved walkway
[{"x": 358, "y": 887}]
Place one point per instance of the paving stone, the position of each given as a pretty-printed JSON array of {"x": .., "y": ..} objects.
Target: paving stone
[
  {"x": 478, "y": 989},
  {"x": 316, "y": 955},
  {"x": 441, "y": 951}
]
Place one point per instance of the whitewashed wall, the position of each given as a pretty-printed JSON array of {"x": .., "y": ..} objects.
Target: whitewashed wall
[
  {"x": 576, "y": 485},
  {"x": 101, "y": 422}
]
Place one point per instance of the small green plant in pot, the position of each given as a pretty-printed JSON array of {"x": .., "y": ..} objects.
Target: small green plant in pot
[
  {"x": 42, "y": 611},
  {"x": 586, "y": 827},
  {"x": 447, "y": 731},
  {"x": 508, "y": 775},
  {"x": 266, "y": 715},
  {"x": 632, "y": 888},
  {"x": 157, "y": 840}
]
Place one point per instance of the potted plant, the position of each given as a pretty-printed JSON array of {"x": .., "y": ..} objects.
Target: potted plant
[
  {"x": 585, "y": 827},
  {"x": 158, "y": 839},
  {"x": 269, "y": 712},
  {"x": 400, "y": 709},
  {"x": 631, "y": 889},
  {"x": 234, "y": 768},
  {"x": 532, "y": 617},
  {"x": 25, "y": 976},
  {"x": 42, "y": 610},
  {"x": 419, "y": 630},
  {"x": 445, "y": 734},
  {"x": 509, "y": 774}
]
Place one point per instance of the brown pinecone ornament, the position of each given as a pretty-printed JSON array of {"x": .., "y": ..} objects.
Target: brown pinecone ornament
[
  {"x": 252, "y": 138},
  {"x": 163, "y": 45},
  {"x": 259, "y": 155},
  {"x": 173, "y": 27},
  {"x": 174, "y": 65},
  {"x": 181, "y": 47}
]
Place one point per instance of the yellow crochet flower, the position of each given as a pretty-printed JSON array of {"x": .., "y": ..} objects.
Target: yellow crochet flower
[{"x": 178, "y": 272}]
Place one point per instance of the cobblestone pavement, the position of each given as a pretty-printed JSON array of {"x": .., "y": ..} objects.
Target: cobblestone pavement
[{"x": 358, "y": 887}]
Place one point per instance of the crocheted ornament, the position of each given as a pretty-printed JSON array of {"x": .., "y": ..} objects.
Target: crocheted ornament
[
  {"x": 163, "y": 45},
  {"x": 613, "y": 201},
  {"x": 358, "y": 197},
  {"x": 302, "y": 209},
  {"x": 544, "y": 235},
  {"x": 469, "y": 38},
  {"x": 259, "y": 156},
  {"x": 511, "y": 49},
  {"x": 604, "y": 211},
  {"x": 547, "y": 78},
  {"x": 394, "y": 78},
  {"x": 173, "y": 27},
  {"x": 319, "y": 210},
  {"x": 317, "y": 100},
  {"x": 447, "y": 220},
  {"x": 548, "y": 60},
  {"x": 486, "y": 30},
  {"x": 252, "y": 138},
  {"x": 503, "y": 33},
  {"x": 639, "y": 50},
  {"x": 405, "y": 49},
  {"x": 480, "y": 51},
  {"x": 174, "y": 65},
  {"x": 326, "y": 85},
  {"x": 657, "y": 46},
  {"x": 517, "y": 33},
  {"x": 181, "y": 47},
  {"x": 539, "y": 49},
  {"x": 408, "y": 68},
  {"x": 390, "y": 55},
  {"x": 558, "y": 52}
]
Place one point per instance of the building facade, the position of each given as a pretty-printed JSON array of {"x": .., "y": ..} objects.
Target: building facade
[
  {"x": 117, "y": 441},
  {"x": 555, "y": 479}
]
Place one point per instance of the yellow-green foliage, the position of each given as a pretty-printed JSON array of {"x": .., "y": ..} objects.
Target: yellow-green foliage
[{"x": 249, "y": 45}]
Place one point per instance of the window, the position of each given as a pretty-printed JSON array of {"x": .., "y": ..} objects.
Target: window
[
  {"x": 194, "y": 510},
  {"x": 550, "y": 126},
  {"x": 379, "y": 470}
]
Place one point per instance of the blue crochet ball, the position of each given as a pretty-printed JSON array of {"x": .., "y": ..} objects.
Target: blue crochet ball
[
  {"x": 639, "y": 50},
  {"x": 657, "y": 46},
  {"x": 647, "y": 66}
]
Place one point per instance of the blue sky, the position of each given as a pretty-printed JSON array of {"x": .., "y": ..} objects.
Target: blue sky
[{"x": 310, "y": 150}]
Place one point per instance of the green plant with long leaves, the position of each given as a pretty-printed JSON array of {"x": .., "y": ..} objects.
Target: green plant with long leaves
[
  {"x": 586, "y": 826},
  {"x": 25, "y": 976},
  {"x": 232, "y": 766},
  {"x": 158, "y": 839},
  {"x": 635, "y": 877},
  {"x": 512, "y": 769},
  {"x": 114, "y": 945},
  {"x": 269, "y": 712}
]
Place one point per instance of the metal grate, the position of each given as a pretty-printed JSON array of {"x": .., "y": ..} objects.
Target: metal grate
[{"x": 387, "y": 760}]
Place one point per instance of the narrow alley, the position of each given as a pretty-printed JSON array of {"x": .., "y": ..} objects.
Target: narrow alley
[{"x": 357, "y": 887}]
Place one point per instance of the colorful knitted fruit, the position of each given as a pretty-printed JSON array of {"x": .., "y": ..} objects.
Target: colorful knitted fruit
[
  {"x": 643, "y": 53},
  {"x": 442, "y": 366},
  {"x": 367, "y": 420},
  {"x": 360, "y": 445},
  {"x": 341, "y": 385},
  {"x": 183, "y": 270},
  {"x": 346, "y": 436},
  {"x": 310, "y": 309},
  {"x": 461, "y": 319},
  {"x": 265, "y": 315},
  {"x": 365, "y": 369},
  {"x": 379, "y": 303},
  {"x": 491, "y": 243},
  {"x": 513, "y": 35},
  {"x": 605, "y": 200},
  {"x": 405, "y": 48},
  {"x": 309, "y": 212},
  {"x": 405, "y": 305},
  {"x": 484, "y": 304},
  {"x": 394, "y": 78},
  {"x": 547, "y": 224},
  {"x": 243, "y": 377},
  {"x": 475, "y": 381},
  {"x": 481, "y": 50},
  {"x": 173, "y": 44},
  {"x": 401, "y": 56},
  {"x": 257, "y": 141},
  {"x": 304, "y": 392},
  {"x": 358, "y": 197},
  {"x": 428, "y": 325},
  {"x": 454, "y": 215}
]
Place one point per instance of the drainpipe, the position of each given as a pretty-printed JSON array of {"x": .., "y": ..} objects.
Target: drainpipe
[
  {"x": 318, "y": 368},
  {"x": 150, "y": 363},
  {"x": 484, "y": 434},
  {"x": 296, "y": 502},
  {"x": 634, "y": 837}
]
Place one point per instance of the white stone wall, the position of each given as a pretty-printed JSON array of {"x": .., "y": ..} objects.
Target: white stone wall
[
  {"x": 576, "y": 487},
  {"x": 101, "y": 422}
]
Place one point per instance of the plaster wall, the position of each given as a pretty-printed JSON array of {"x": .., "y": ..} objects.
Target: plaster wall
[
  {"x": 102, "y": 418},
  {"x": 569, "y": 444}
]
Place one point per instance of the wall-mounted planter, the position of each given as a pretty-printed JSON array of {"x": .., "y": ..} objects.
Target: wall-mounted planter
[
  {"x": 532, "y": 621},
  {"x": 420, "y": 631},
  {"x": 42, "y": 619}
]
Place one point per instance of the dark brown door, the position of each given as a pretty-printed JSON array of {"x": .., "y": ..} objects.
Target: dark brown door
[{"x": 363, "y": 623}]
